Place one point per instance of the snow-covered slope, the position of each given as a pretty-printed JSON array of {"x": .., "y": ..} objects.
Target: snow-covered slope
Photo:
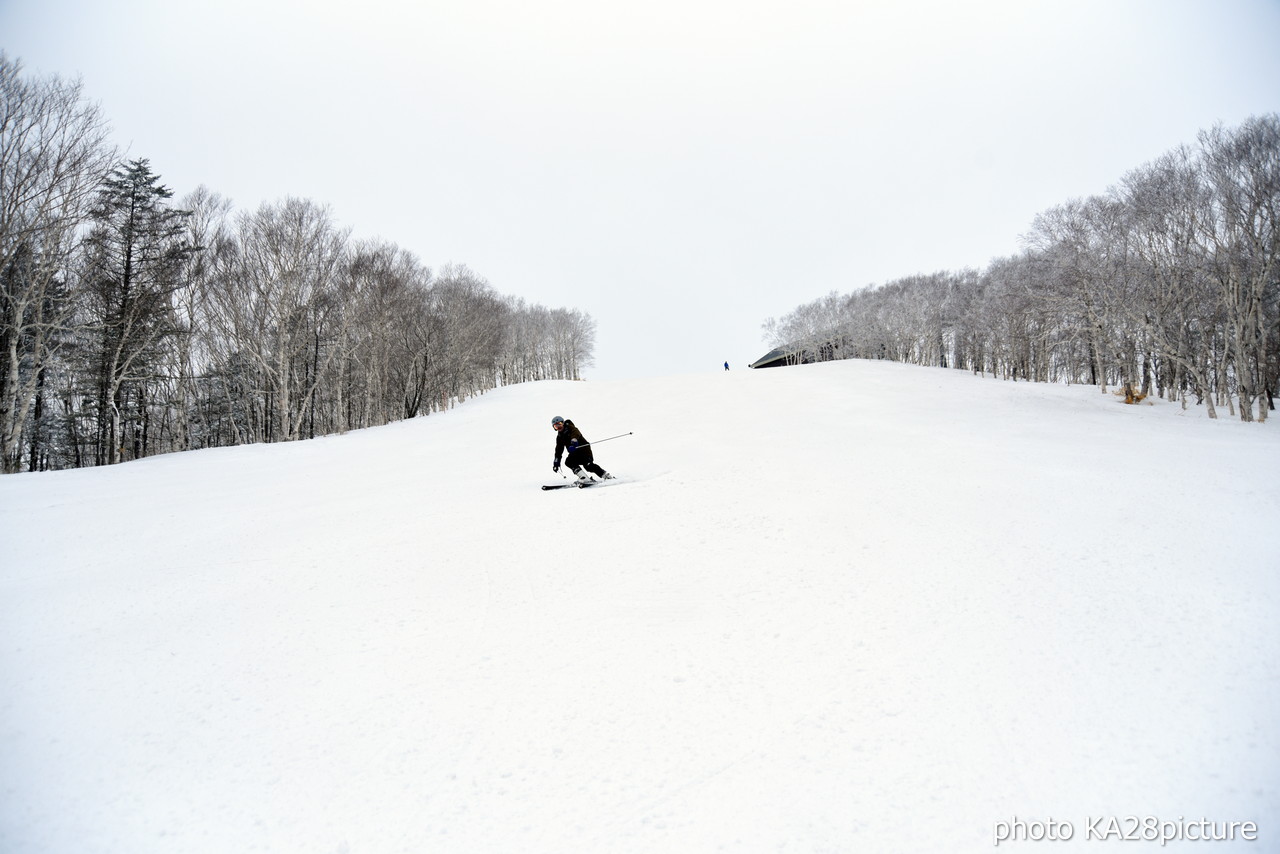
[{"x": 844, "y": 607}]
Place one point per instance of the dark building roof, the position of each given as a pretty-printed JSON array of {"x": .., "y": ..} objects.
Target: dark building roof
[
  {"x": 778, "y": 357},
  {"x": 796, "y": 354}
]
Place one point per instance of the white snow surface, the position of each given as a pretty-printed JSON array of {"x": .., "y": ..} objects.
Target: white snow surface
[{"x": 846, "y": 607}]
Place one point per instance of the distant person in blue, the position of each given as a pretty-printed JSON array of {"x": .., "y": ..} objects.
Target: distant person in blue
[{"x": 726, "y": 366}]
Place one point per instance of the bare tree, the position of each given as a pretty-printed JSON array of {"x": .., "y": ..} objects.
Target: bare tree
[
  {"x": 274, "y": 306},
  {"x": 1242, "y": 237},
  {"x": 53, "y": 157},
  {"x": 1164, "y": 201},
  {"x": 208, "y": 229}
]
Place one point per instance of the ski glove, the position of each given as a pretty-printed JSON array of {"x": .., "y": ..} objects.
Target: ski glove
[
  {"x": 573, "y": 445},
  {"x": 555, "y": 466}
]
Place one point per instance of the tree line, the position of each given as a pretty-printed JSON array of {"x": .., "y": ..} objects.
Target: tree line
[
  {"x": 132, "y": 324},
  {"x": 1167, "y": 284}
]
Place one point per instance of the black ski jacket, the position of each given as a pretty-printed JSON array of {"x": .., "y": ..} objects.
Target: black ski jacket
[{"x": 569, "y": 433}]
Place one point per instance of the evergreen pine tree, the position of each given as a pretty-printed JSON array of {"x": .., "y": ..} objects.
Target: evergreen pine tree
[{"x": 134, "y": 258}]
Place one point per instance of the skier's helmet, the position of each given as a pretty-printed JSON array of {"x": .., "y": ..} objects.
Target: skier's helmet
[{"x": 556, "y": 420}]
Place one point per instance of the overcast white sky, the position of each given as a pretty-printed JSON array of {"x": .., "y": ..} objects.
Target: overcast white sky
[{"x": 680, "y": 169}]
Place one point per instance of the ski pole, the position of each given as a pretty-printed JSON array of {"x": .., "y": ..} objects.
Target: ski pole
[{"x": 601, "y": 441}]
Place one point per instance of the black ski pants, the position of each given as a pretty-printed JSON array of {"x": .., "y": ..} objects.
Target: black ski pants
[{"x": 582, "y": 458}]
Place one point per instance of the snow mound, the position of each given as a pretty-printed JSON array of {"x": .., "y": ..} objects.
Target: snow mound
[{"x": 843, "y": 607}]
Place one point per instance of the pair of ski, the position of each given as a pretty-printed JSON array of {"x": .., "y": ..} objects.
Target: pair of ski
[{"x": 580, "y": 484}]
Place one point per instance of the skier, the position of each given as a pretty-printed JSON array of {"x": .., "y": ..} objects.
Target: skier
[
  {"x": 726, "y": 366},
  {"x": 569, "y": 438}
]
